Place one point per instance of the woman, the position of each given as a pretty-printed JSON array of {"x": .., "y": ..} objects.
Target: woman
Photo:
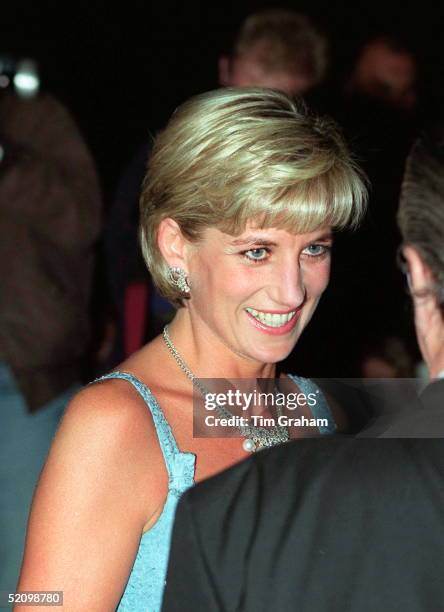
[{"x": 242, "y": 193}]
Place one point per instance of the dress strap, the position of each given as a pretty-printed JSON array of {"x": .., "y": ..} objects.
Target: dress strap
[
  {"x": 167, "y": 441},
  {"x": 321, "y": 409}
]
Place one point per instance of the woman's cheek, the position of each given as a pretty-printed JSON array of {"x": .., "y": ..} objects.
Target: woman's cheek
[
  {"x": 323, "y": 274},
  {"x": 326, "y": 274},
  {"x": 316, "y": 278}
]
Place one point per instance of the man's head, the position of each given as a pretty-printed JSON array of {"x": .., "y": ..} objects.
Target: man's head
[
  {"x": 386, "y": 70},
  {"x": 277, "y": 49},
  {"x": 421, "y": 222}
]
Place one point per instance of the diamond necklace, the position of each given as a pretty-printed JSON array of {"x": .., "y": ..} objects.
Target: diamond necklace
[{"x": 256, "y": 437}]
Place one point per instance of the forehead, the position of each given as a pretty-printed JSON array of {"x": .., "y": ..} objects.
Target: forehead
[
  {"x": 385, "y": 60},
  {"x": 250, "y": 69}
]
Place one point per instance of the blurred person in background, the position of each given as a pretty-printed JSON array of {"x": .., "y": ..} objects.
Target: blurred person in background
[
  {"x": 278, "y": 48},
  {"x": 138, "y": 312},
  {"x": 388, "y": 357},
  {"x": 385, "y": 70},
  {"x": 377, "y": 112},
  {"x": 49, "y": 221}
]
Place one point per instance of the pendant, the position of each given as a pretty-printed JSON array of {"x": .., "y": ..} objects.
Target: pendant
[{"x": 248, "y": 445}]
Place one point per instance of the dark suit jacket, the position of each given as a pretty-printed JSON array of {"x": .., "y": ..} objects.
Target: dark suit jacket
[
  {"x": 426, "y": 420},
  {"x": 315, "y": 525}
]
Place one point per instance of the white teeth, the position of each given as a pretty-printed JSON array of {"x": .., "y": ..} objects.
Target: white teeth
[{"x": 272, "y": 320}]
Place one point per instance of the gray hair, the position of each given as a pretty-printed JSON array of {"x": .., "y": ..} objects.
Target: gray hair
[{"x": 421, "y": 209}]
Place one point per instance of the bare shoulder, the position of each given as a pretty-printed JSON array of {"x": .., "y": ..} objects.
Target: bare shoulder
[
  {"x": 102, "y": 480},
  {"x": 111, "y": 422},
  {"x": 113, "y": 404},
  {"x": 108, "y": 418}
]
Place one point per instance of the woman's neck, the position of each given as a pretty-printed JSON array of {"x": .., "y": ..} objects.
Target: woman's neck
[{"x": 206, "y": 354}]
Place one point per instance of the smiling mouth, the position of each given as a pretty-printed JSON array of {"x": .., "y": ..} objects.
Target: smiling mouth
[{"x": 271, "y": 319}]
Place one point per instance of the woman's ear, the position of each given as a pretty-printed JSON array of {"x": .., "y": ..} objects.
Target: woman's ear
[{"x": 172, "y": 244}]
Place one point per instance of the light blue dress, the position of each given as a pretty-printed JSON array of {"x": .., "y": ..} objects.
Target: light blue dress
[{"x": 144, "y": 589}]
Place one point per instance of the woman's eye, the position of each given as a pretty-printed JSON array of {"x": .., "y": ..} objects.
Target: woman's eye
[
  {"x": 256, "y": 254},
  {"x": 316, "y": 250}
]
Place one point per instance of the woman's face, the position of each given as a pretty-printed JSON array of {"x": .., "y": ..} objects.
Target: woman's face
[{"x": 257, "y": 291}]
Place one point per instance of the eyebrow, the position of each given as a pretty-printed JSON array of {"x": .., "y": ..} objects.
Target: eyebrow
[
  {"x": 256, "y": 239},
  {"x": 324, "y": 237},
  {"x": 253, "y": 239}
]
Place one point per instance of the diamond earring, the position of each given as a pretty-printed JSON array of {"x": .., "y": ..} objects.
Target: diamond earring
[{"x": 179, "y": 278}]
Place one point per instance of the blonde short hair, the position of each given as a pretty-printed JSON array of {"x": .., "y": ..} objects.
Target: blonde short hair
[{"x": 234, "y": 155}]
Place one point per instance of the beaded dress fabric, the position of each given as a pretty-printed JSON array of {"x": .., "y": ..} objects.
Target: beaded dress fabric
[
  {"x": 144, "y": 589},
  {"x": 146, "y": 583}
]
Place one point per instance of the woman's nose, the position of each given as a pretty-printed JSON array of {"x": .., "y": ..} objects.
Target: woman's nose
[{"x": 287, "y": 287}]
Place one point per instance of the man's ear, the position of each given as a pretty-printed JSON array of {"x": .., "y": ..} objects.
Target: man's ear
[
  {"x": 420, "y": 276},
  {"x": 429, "y": 322},
  {"x": 172, "y": 244},
  {"x": 224, "y": 71}
]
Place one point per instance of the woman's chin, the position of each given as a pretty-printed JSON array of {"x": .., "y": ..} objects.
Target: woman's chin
[{"x": 272, "y": 354}]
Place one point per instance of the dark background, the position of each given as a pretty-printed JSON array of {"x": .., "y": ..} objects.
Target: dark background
[{"x": 122, "y": 70}]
